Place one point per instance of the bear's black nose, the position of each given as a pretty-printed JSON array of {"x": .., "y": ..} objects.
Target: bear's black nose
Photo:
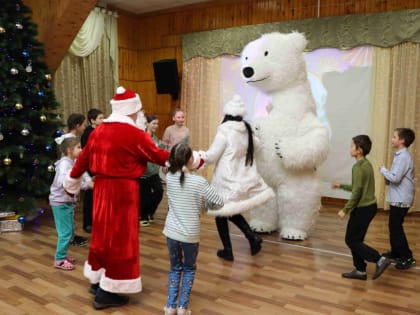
[{"x": 248, "y": 72}]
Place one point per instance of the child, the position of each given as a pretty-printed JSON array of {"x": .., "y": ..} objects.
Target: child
[
  {"x": 177, "y": 132},
  {"x": 186, "y": 195},
  {"x": 95, "y": 118},
  {"x": 401, "y": 189},
  {"x": 362, "y": 207},
  {"x": 235, "y": 176},
  {"x": 62, "y": 204},
  {"x": 151, "y": 189},
  {"x": 76, "y": 125}
]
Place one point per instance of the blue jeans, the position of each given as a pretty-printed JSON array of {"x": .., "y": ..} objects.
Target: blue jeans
[
  {"x": 178, "y": 251},
  {"x": 64, "y": 224}
]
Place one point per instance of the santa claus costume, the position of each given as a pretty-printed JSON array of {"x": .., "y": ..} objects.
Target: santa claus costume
[{"x": 116, "y": 154}]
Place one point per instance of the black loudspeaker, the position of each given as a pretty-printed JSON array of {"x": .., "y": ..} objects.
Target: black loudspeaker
[{"x": 166, "y": 77}]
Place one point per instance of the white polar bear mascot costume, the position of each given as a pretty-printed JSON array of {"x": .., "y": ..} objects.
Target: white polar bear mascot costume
[{"x": 293, "y": 140}]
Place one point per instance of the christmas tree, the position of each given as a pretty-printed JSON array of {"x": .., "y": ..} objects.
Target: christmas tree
[{"x": 28, "y": 120}]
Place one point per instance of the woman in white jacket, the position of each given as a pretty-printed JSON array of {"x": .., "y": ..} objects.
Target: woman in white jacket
[{"x": 235, "y": 176}]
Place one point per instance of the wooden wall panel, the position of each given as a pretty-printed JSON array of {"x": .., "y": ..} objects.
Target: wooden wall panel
[
  {"x": 158, "y": 35},
  {"x": 58, "y": 22}
]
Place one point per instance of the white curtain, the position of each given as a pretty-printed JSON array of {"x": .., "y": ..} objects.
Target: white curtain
[
  {"x": 88, "y": 75},
  {"x": 90, "y": 36}
]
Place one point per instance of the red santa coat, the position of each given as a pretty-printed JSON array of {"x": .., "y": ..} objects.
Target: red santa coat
[{"x": 117, "y": 154}]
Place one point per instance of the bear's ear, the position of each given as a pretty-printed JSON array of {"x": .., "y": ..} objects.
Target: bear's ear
[{"x": 299, "y": 41}]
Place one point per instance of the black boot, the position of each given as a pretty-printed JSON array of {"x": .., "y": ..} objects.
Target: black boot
[
  {"x": 223, "y": 229},
  {"x": 104, "y": 299},
  {"x": 254, "y": 240},
  {"x": 93, "y": 288}
]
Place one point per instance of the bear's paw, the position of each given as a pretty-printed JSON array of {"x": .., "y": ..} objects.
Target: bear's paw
[{"x": 293, "y": 234}]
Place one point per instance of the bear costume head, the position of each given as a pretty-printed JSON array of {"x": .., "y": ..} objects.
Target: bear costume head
[{"x": 274, "y": 61}]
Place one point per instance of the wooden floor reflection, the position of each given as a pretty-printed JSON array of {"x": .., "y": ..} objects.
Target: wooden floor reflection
[{"x": 285, "y": 278}]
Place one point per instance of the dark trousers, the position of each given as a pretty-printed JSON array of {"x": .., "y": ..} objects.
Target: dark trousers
[
  {"x": 87, "y": 208},
  {"x": 397, "y": 238},
  {"x": 151, "y": 193},
  {"x": 223, "y": 229},
  {"x": 357, "y": 227}
]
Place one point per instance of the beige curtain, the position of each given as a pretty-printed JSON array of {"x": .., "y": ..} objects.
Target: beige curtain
[
  {"x": 87, "y": 76},
  {"x": 396, "y": 100},
  {"x": 200, "y": 100}
]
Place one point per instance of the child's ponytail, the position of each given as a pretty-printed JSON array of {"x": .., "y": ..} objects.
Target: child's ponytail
[{"x": 180, "y": 155}]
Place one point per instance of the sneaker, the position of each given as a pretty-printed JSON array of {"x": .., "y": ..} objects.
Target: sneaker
[
  {"x": 355, "y": 274},
  {"x": 390, "y": 255},
  {"x": 183, "y": 311},
  {"x": 144, "y": 223},
  {"x": 78, "y": 241},
  {"x": 169, "y": 311},
  {"x": 381, "y": 265},
  {"x": 405, "y": 263},
  {"x": 151, "y": 219}
]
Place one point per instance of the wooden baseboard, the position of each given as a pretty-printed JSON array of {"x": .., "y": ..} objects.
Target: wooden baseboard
[{"x": 333, "y": 201}]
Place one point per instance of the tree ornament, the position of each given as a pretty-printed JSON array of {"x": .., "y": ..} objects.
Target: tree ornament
[
  {"x": 48, "y": 77},
  {"x": 25, "y": 53},
  {"x": 24, "y": 132},
  {"x": 21, "y": 219},
  {"x": 19, "y": 26},
  {"x": 35, "y": 162},
  {"x": 29, "y": 67},
  {"x": 58, "y": 133},
  {"x": 14, "y": 71},
  {"x": 2, "y": 30},
  {"x": 1, "y": 136},
  {"x": 19, "y": 106},
  {"x": 43, "y": 118},
  {"x": 48, "y": 148},
  {"x": 40, "y": 93},
  {"x": 51, "y": 168},
  {"x": 7, "y": 161}
]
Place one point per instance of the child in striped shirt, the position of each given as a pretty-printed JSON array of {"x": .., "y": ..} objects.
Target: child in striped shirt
[{"x": 187, "y": 194}]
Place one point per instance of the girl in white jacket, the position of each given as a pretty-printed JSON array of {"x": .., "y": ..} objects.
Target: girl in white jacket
[{"x": 235, "y": 176}]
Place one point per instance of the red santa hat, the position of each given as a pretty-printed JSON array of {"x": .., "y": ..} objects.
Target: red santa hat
[
  {"x": 125, "y": 102},
  {"x": 235, "y": 107}
]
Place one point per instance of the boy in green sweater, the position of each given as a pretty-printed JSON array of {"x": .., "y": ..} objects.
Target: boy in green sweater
[{"x": 362, "y": 207}]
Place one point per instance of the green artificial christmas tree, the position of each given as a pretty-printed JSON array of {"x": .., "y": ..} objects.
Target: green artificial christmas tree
[{"x": 28, "y": 120}]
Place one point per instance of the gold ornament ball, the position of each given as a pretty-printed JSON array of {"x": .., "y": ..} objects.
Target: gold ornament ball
[
  {"x": 2, "y": 30},
  {"x": 43, "y": 118},
  {"x": 50, "y": 168},
  {"x": 48, "y": 77},
  {"x": 19, "y": 106},
  {"x": 7, "y": 161}
]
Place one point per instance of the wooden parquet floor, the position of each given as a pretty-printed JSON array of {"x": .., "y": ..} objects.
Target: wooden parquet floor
[{"x": 285, "y": 278}]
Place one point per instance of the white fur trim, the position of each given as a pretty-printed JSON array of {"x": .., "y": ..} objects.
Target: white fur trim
[
  {"x": 93, "y": 276},
  {"x": 233, "y": 208},
  {"x": 141, "y": 120},
  {"x": 197, "y": 160},
  {"x": 112, "y": 285},
  {"x": 72, "y": 185},
  {"x": 235, "y": 107},
  {"x": 126, "y": 107},
  {"x": 115, "y": 117}
]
